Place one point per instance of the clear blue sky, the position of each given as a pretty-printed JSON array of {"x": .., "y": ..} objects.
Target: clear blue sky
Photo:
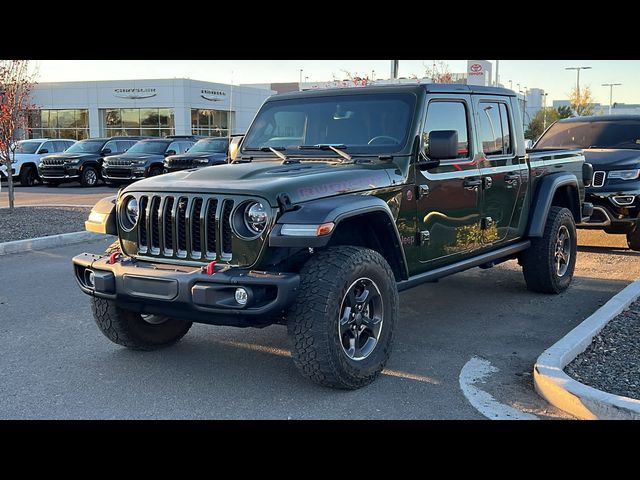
[{"x": 549, "y": 75}]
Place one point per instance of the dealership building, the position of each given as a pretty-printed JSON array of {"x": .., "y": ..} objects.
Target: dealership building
[{"x": 155, "y": 108}]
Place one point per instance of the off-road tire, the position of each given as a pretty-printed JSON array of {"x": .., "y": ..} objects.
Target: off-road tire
[
  {"x": 84, "y": 180},
  {"x": 633, "y": 240},
  {"x": 28, "y": 176},
  {"x": 312, "y": 322},
  {"x": 155, "y": 171},
  {"x": 538, "y": 261},
  {"x": 130, "y": 330}
]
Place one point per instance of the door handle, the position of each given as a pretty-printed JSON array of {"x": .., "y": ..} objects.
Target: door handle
[{"x": 472, "y": 183}]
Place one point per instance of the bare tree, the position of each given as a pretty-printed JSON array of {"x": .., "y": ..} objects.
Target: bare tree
[
  {"x": 16, "y": 83},
  {"x": 439, "y": 72},
  {"x": 583, "y": 103}
]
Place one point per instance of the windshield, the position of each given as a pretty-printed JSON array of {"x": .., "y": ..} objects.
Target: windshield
[
  {"x": 599, "y": 134},
  {"x": 27, "y": 147},
  {"x": 156, "y": 148},
  {"x": 361, "y": 123},
  {"x": 86, "y": 146},
  {"x": 210, "y": 146}
]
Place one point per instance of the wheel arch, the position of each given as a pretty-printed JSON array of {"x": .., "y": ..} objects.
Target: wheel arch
[{"x": 559, "y": 190}]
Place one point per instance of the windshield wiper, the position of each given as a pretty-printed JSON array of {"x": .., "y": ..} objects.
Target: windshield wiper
[
  {"x": 338, "y": 148},
  {"x": 275, "y": 150}
]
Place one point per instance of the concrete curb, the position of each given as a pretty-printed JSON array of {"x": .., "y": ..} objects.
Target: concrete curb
[
  {"x": 51, "y": 205},
  {"x": 570, "y": 395},
  {"x": 41, "y": 243}
]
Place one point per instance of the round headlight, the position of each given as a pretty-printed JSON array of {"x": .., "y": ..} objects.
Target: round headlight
[
  {"x": 256, "y": 217},
  {"x": 132, "y": 211}
]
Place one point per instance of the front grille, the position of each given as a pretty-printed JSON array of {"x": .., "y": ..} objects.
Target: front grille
[
  {"x": 121, "y": 163},
  {"x": 598, "y": 178},
  {"x": 186, "y": 227},
  {"x": 118, "y": 172},
  {"x": 53, "y": 161}
]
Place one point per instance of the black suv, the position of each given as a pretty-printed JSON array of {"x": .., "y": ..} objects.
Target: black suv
[
  {"x": 612, "y": 145},
  {"x": 144, "y": 159},
  {"x": 82, "y": 161},
  {"x": 206, "y": 152}
]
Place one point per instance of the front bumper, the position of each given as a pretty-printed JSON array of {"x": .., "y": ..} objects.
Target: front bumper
[
  {"x": 59, "y": 173},
  {"x": 616, "y": 210},
  {"x": 123, "y": 173},
  {"x": 187, "y": 292}
]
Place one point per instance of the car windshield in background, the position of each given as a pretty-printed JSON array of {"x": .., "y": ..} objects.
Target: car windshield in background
[
  {"x": 210, "y": 146},
  {"x": 91, "y": 146},
  {"x": 155, "y": 148},
  {"x": 27, "y": 147},
  {"x": 598, "y": 134},
  {"x": 361, "y": 123}
]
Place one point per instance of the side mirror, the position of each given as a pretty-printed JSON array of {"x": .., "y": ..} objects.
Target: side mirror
[
  {"x": 234, "y": 147},
  {"x": 443, "y": 145},
  {"x": 169, "y": 152},
  {"x": 43, "y": 150},
  {"x": 105, "y": 151},
  {"x": 528, "y": 144}
]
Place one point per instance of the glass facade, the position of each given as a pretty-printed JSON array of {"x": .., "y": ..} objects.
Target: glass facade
[
  {"x": 152, "y": 122},
  {"x": 212, "y": 123},
  {"x": 73, "y": 124}
]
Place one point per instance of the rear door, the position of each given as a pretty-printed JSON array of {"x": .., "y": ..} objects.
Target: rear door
[
  {"x": 500, "y": 168},
  {"x": 448, "y": 201}
]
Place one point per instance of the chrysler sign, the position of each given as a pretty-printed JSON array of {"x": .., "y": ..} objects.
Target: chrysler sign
[{"x": 134, "y": 93}]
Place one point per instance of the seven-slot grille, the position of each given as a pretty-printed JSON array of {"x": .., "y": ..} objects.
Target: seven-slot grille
[
  {"x": 598, "y": 178},
  {"x": 53, "y": 161},
  {"x": 186, "y": 227},
  {"x": 118, "y": 162}
]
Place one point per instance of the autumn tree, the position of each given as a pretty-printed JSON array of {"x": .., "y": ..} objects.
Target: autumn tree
[
  {"x": 582, "y": 101},
  {"x": 16, "y": 83},
  {"x": 564, "y": 111},
  {"x": 438, "y": 72}
]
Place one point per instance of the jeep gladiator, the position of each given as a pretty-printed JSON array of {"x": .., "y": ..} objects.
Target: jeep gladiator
[{"x": 336, "y": 201}]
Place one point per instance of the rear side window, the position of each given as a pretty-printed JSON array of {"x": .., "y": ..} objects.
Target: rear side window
[
  {"x": 495, "y": 136},
  {"x": 448, "y": 116},
  {"x": 59, "y": 146},
  {"x": 112, "y": 145}
]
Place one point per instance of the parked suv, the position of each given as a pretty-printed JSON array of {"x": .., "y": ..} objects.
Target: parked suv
[
  {"x": 205, "y": 152},
  {"x": 612, "y": 145},
  {"x": 144, "y": 159},
  {"x": 338, "y": 200},
  {"x": 28, "y": 154},
  {"x": 83, "y": 161}
]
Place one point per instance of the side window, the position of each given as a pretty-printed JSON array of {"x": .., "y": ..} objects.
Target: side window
[
  {"x": 124, "y": 145},
  {"x": 49, "y": 146},
  {"x": 506, "y": 129},
  {"x": 68, "y": 143},
  {"x": 186, "y": 146},
  {"x": 175, "y": 146},
  {"x": 448, "y": 116},
  {"x": 112, "y": 145},
  {"x": 495, "y": 134},
  {"x": 59, "y": 146}
]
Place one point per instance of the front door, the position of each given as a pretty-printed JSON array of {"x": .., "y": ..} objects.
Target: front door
[
  {"x": 501, "y": 170},
  {"x": 449, "y": 196}
]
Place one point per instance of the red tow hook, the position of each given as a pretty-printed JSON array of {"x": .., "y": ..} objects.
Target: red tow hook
[
  {"x": 113, "y": 258},
  {"x": 211, "y": 268}
]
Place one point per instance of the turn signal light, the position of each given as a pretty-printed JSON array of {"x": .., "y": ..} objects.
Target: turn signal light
[{"x": 325, "y": 229}]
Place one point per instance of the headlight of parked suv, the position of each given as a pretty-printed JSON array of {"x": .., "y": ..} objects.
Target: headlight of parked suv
[
  {"x": 72, "y": 162},
  {"x": 625, "y": 174},
  {"x": 200, "y": 161},
  {"x": 129, "y": 214}
]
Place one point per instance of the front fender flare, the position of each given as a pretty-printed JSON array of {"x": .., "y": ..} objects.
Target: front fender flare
[
  {"x": 543, "y": 198},
  {"x": 103, "y": 217}
]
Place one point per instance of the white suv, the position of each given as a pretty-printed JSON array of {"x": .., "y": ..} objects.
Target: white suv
[{"x": 27, "y": 157}]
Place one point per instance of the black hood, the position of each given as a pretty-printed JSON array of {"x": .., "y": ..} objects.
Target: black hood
[
  {"x": 147, "y": 157},
  {"x": 73, "y": 156},
  {"x": 612, "y": 159}
]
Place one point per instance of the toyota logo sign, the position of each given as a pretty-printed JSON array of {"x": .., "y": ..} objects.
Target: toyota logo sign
[{"x": 475, "y": 69}]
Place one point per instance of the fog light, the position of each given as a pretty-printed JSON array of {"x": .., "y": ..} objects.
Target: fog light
[
  {"x": 241, "y": 296},
  {"x": 90, "y": 278}
]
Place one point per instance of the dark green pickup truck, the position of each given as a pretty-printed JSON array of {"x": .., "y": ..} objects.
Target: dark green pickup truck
[{"x": 336, "y": 201}]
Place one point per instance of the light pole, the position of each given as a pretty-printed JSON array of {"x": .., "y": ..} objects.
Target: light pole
[
  {"x": 610, "y": 85},
  {"x": 300, "y": 82},
  {"x": 544, "y": 111},
  {"x": 577, "y": 69},
  {"x": 524, "y": 107},
  {"x": 395, "y": 64},
  {"x": 510, "y": 84}
]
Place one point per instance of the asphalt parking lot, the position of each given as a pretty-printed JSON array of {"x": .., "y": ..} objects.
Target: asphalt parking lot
[
  {"x": 65, "y": 194},
  {"x": 56, "y": 364}
]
